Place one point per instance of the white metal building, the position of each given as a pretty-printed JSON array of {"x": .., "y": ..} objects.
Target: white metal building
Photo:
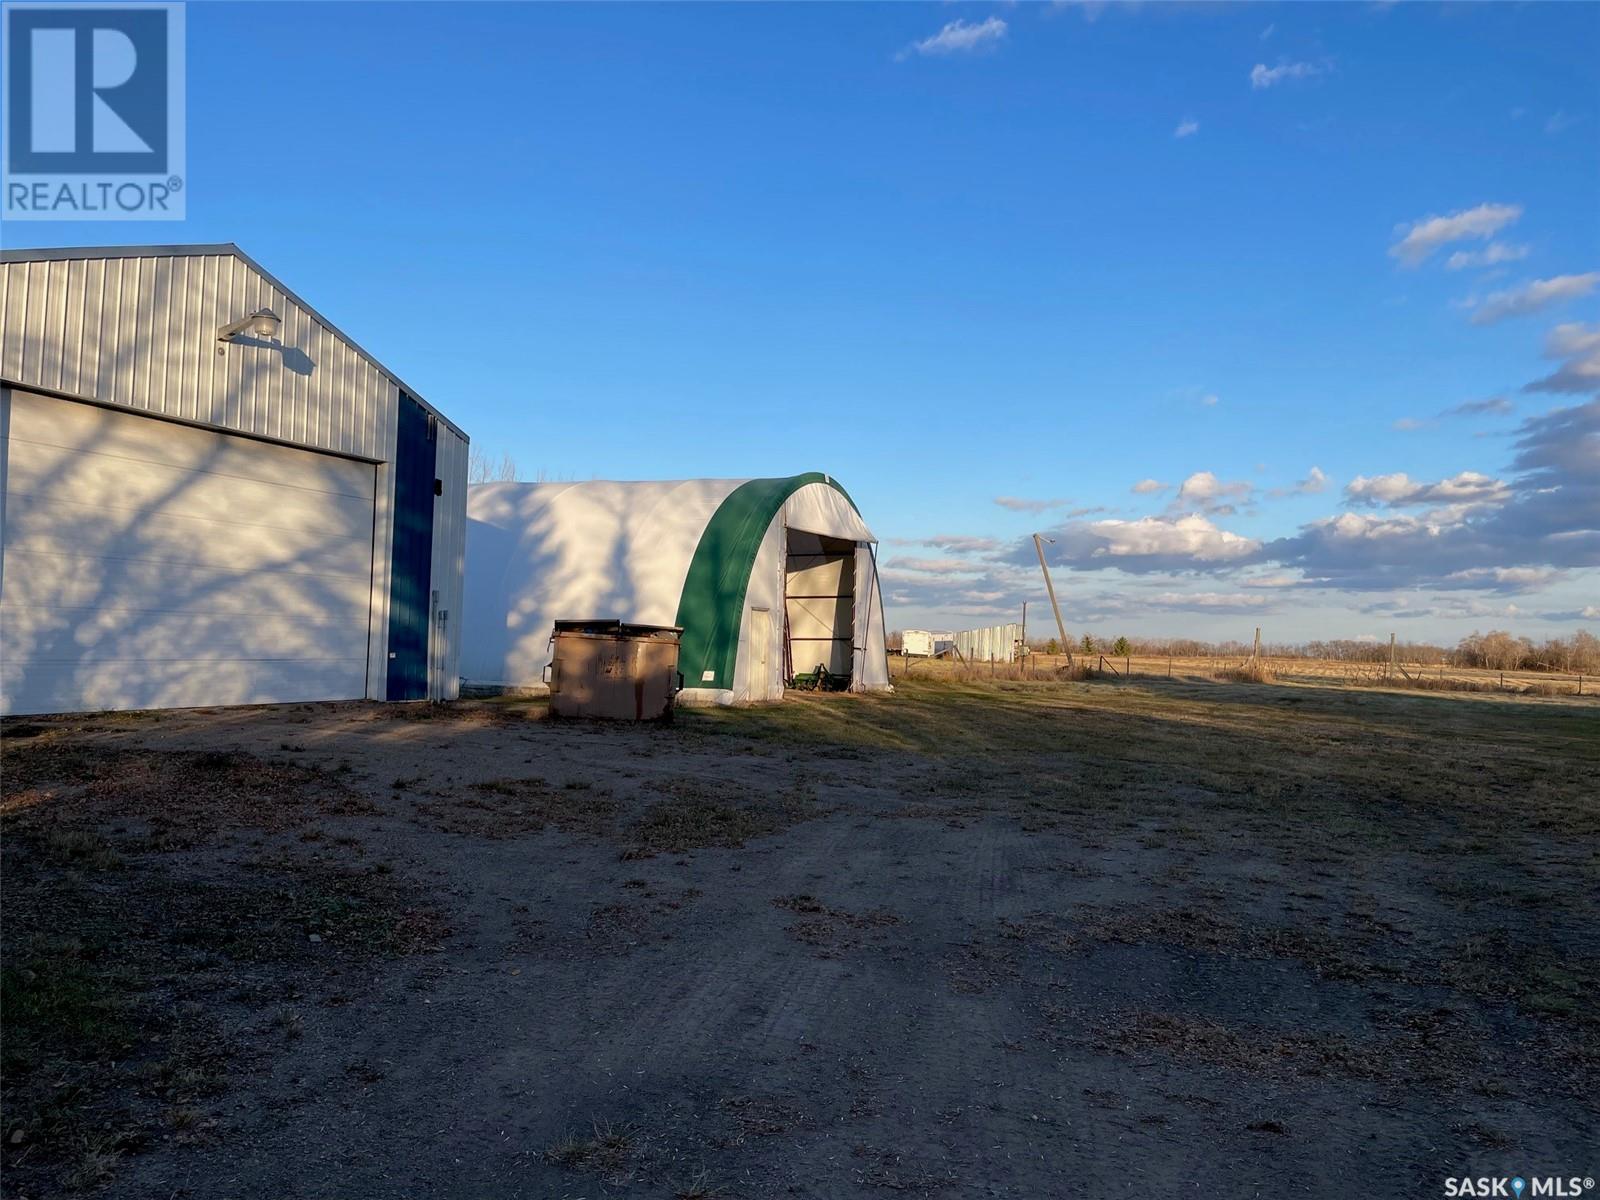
[
  {"x": 922, "y": 643},
  {"x": 770, "y": 579},
  {"x": 997, "y": 643},
  {"x": 211, "y": 495}
]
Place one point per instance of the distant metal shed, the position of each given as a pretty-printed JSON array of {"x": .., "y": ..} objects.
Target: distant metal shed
[{"x": 202, "y": 509}]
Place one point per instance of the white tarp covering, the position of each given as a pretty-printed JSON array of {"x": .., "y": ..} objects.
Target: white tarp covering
[{"x": 542, "y": 552}]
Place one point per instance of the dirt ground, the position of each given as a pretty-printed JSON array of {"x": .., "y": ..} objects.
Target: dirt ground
[{"x": 1016, "y": 939}]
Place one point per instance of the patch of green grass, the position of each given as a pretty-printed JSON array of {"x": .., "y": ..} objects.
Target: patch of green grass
[
  {"x": 510, "y": 808},
  {"x": 59, "y": 1004},
  {"x": 1300, "y": 755},
  {"x": 698, "y": 1187},
  {"x": 94, "y": 1160},
  {"x": 67, "y": 1027},
  {"x": 98, "y": 1060},
  {"x": 675, "y": 826},
  {"x": 607, "y": 1149},
  {"x": 706, "y": 812},
  {"x": 80, "y": 848}
]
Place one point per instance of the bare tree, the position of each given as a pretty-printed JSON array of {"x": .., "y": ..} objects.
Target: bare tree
[
  {"x": 1585, "y": 651},
  {"x": 1496, "y": 650},
  {"x": 482, "y": 469}
]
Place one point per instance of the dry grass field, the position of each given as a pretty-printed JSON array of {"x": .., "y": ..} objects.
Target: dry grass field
[
  {"x": 979, "y": 938},
  {"x": 1407, "y": 676}
]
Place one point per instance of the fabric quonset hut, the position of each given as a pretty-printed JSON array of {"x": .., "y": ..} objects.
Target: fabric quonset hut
[{"x": 771, "y": 580}]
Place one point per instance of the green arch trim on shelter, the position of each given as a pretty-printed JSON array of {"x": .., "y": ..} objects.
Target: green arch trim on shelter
[{"x": 712, "y": 605}]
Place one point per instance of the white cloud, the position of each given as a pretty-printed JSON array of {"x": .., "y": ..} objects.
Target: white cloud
[
  {"x": 1354, "y": 526},
  {"x": 1560, "y": 121},
  {"x": 1150, "y": 487},
  {"x": 1024, "y": 504},
  {"x": 1091, "y": 9},
  {"x": 1400, "y": 490},
  {"x": 959, "y": 37},
  {"x": 933, "y": 566},
  {"x": 1532, "y": 297},
  {"x": 1490, "y": 255},
  {"x": 1203, "y": 490},
  {"x": 1572, "y": 338},
  {"x": 1579, "y": 344},
  {"x": 1546, "y": 517},
  {"x": 1187, "y": 127},
  {"x": 956, "y": 543},
  {"x": 1314, "y": 482},
  {"x": 1209, "y": 399},
  {"x": 1171, "y": 541},
  {"x": 1409, "y": 424},
  {"x": 1224, "y": 601},
  {"x": 1497, "y": 406},
  {"x": 1469, "y": 535},
  {"x": 1589, "y": 612},
  {"x": 1423, "y": 237},
  {"x": 1263, "y": 76},
  {"x": 1505, "y": 579}
]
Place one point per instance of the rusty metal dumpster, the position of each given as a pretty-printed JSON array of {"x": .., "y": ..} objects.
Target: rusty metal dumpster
[{"x": 613, "y": 670}]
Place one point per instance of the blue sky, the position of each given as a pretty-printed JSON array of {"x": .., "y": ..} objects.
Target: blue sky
[{"x": 957, "y": 254}]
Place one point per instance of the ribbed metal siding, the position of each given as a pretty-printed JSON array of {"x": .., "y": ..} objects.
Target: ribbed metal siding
[
  {"x": 449, "y": 558},
  {"x": 997, "y": 643},
  {"x": 141, "y": 332}
]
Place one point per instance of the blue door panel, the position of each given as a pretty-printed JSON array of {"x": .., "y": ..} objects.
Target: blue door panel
[{"x": 411, "y": 565}]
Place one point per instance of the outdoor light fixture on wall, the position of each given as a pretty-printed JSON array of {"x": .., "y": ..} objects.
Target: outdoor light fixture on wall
[{"x": 263, "y": 323}]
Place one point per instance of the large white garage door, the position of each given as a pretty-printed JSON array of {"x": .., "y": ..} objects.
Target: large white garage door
[{"x": 152, "y": 565}]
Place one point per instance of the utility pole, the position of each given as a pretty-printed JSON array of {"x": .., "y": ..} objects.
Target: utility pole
[
  {"x": 1022, "y": 650},
  {"x": 1038, "y": 546}
]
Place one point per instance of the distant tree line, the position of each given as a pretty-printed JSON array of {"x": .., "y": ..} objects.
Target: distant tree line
[
  {"x": 1496, "y": 650},
  {"x": 1501, "y": 651},
  {"x": 483, "y": 469}
]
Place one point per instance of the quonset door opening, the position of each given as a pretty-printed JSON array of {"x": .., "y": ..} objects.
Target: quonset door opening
[{"x": 819, "y": 609}]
